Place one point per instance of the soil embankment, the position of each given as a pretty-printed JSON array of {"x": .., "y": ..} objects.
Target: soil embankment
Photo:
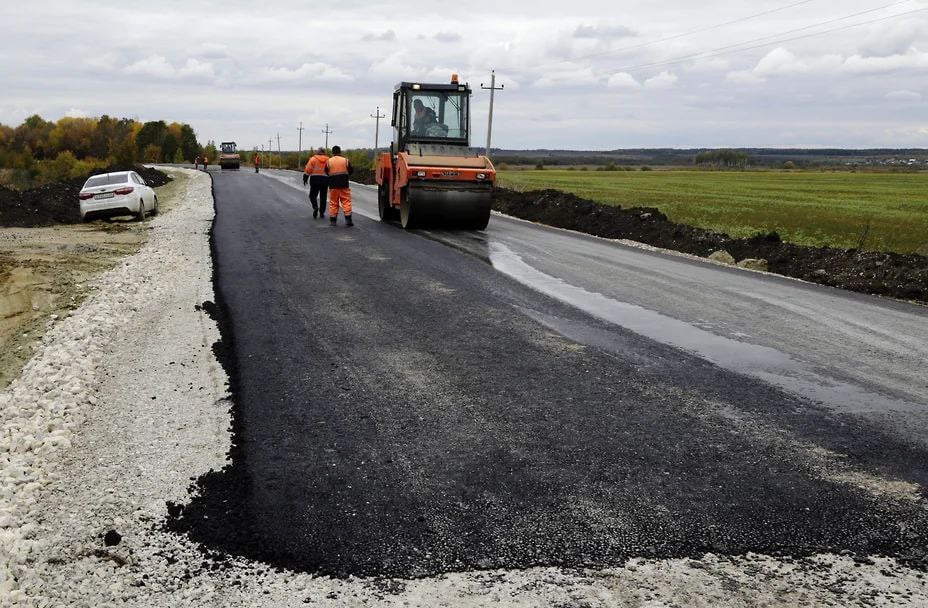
[
  {"x": 902, "y": 276},
  {"x": 57, "y": 203}
]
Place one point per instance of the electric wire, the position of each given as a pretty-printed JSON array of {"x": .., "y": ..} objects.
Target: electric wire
[
  {"x": 708, "y": 28},
  {"x": 740, "y": 46}
]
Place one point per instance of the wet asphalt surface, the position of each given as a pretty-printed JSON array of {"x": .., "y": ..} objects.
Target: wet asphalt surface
[{"x": 402, "y": 409}]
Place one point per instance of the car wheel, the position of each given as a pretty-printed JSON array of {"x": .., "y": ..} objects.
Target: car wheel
[
  {"x": 154, "y": 211},
  {"x": 140, "y": 216}
]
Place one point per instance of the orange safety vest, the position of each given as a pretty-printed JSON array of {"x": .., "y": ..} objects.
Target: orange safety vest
[
  {"x": 316, "y": 165},
  {"x": 337, "y": 165},
  {"x": 338, "y": 169}
]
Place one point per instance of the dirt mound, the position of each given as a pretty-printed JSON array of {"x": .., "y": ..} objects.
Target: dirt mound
[
  {"x": 57, "y": 203},
  {"x": 363, "y": 176},
  {"x": 889, "y": 274}
]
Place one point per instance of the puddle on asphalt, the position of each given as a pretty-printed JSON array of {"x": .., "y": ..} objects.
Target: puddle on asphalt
[{"x": 762, "y": 362}]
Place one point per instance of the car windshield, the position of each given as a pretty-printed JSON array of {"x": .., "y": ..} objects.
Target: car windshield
[
  {"x": 106, "y": 180},
  {"x": 438, "y": 114}
]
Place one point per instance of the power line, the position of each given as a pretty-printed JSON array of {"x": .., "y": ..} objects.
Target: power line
[
  {"x": 740, "y": 46},
  {"x": 676, "y": 36}
]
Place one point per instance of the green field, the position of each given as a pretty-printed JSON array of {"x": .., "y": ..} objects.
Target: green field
[{"x": 879, "y": 211}]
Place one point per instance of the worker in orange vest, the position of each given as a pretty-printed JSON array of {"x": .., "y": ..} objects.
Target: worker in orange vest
[
  {"x": 338, "y": 168},
  {"x": 257, "y": 162},
  {"x": 205, "y": 162},
  {"x": 315, "y": 173}
]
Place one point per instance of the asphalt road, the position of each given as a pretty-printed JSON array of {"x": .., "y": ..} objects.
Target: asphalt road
[{"x": 415, "y": 403}]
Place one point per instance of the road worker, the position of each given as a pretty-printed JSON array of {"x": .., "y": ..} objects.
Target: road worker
[
  {"x": 196, "y": 162},
  {"x": 338, "y": 168},
  {"x": 257, "y": 162},
  {"x": 315, "y": 172},
  {"x": 205, "y": 162}
]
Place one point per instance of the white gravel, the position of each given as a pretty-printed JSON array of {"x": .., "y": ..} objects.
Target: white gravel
[{"x": 124, "y": 404}]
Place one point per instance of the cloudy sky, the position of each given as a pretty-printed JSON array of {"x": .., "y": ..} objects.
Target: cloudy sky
[{"x": 577, "y": 75}]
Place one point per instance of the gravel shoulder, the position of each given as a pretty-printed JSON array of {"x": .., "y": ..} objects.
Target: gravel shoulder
[{"x": 123, "y": 404}]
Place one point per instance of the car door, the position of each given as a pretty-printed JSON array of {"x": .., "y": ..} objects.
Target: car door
[{"x": 148, "y": 195}]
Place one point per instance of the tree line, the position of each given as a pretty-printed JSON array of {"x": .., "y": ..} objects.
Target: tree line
[
  {"x": 728, "y": 159},
  {"x": 41, "y": 150}
]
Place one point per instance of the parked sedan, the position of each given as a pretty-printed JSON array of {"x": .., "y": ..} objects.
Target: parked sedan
[{"x": 120, "y": 193}]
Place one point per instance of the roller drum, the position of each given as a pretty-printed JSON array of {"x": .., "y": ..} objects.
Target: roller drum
[{"x": 456, "y": 206}]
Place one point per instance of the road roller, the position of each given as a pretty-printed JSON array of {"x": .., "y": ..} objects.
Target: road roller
[{"x": 431, "y": 177}]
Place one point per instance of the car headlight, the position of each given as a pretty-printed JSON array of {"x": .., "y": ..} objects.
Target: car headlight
[{"x": 420, "y": 173}]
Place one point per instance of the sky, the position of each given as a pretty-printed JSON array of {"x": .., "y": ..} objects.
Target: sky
[{"x": 581, "y": 75}]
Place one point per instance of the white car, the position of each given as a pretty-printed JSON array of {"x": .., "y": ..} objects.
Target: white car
[{"x": 120, "y": 193}]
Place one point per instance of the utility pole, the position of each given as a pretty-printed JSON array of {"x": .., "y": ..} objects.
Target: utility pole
[
  {"x": 278, "y": 149},
  {"x": 378, "y": 116},
  {"x": 270, "y": 152},
  {"x": 327, "y": 132},
  {"x": 493, "y": 89},
  {"x": 299, "y": 154}
]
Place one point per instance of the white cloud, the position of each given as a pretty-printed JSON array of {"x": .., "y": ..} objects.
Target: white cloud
[
  {"x": 574, "y": 76},
  {"x": 744, "y": 77},
  {"x": 664, "y": 80},
  {"x": 155, "y": 65},
  {"x": 308, "y": 72},
  {"x": 622, "y": 80},
  {"x": 386, "y": 36},
  {"x": 913, "y": 60},
  {"x": 599, "y": 32},
  {"x": 76, "y": 113},
  {"x": 195, "y": 68},
  {"x": 447, "y": 37},
  {"x": 904, "y": 95},
  {"x": 894, "y": 38}
]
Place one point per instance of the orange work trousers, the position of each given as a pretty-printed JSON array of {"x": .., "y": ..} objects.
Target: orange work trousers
[{"x": 339, "y": 197}]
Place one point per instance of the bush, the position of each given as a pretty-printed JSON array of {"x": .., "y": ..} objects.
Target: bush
[
  {"x": 540, "y": 167},
  {"x": 646, "y": 168}
]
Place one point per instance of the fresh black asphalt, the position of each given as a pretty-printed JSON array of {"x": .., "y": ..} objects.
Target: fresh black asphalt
[{"x": 400, "y": 411}]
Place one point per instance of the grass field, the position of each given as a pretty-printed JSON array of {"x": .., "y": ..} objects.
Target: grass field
[{"x": 875, "y": 211}]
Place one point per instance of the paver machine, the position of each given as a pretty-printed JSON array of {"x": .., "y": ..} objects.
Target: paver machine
[
  {"x": 229, "y": 157},
  {"x": 431, "y": 177}
]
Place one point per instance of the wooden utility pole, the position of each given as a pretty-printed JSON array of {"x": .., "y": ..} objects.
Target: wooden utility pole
[
  {"x": 299, "y": 154},
  {"x": 378, "y": 116},
  {"x": 327, "y": 132},
  {"x": 278, "y": 150}
]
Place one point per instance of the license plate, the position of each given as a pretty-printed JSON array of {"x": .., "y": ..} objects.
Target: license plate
[{"x": 104, "y": 195}]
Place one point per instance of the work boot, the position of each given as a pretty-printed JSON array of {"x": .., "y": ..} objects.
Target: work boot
[
  {"x": 348, "y": 221},
  {"x": 315, "y": 213},
  {"x": 322, "y": 214}
]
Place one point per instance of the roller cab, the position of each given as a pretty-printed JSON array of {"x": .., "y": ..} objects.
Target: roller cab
[{"x": 431, "y": 177}]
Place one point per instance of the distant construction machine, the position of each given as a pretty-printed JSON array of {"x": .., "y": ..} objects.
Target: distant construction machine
[
  {"x": 228, "y": 156},
  {"x": 431, "y": 177}
]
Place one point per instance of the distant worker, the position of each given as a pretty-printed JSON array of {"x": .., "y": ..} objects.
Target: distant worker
[
  {"x": 423, "y": 119},
  {"x": 205, "y": 162},
  {"x": 338, "y": 168},
  {"x": 257, "y": 162},
  {"x": 314, "y": 172},
  {"x": 196, "y": 162}
]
